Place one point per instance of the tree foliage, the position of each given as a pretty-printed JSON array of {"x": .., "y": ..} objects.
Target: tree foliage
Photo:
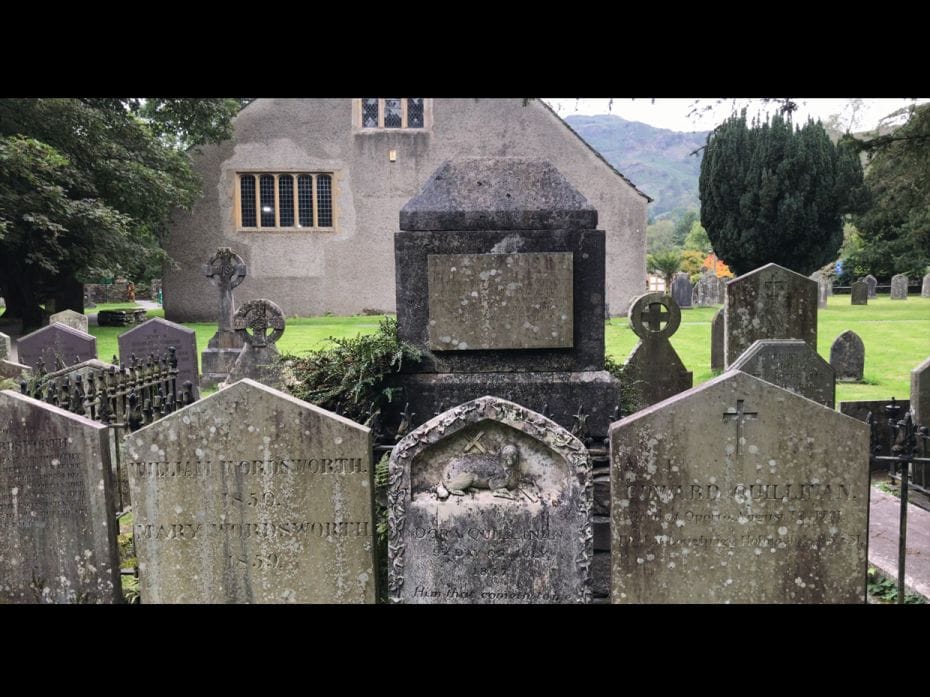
[
  {"x": 86, "y": 187},
  {"x": 666, "y": 262},
  {"x": 771, "y": 192},
  {"x": 697, "y": 238},
  {"x": 894, "y": 234}
]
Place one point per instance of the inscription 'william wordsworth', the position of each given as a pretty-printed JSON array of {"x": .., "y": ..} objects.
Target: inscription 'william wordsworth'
[{"x": 205, "y": 468}]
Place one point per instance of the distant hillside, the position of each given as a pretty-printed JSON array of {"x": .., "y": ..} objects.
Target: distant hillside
[{"x": 657, "y": 160}]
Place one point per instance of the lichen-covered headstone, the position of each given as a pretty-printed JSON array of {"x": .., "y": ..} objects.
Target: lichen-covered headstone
[
  {"x": 259, "y": 359},
  {"x": 859, "y": 293},
  {"x": 771, "y": 302},
  {"x": 70, "y": 318},
  {"x": 57, "y": 518},
  {"x": 252, "y": 496},
  {"x": 793, "y": 365},
  {"x": 899, "y": 287},
  {"x": 847, "y": 356},
  {"x": 738, "y": 491},
  {"x": 925, "y": 287},
  {"x": 226, "y": 270},
  {"x": 681, "y": 289},
  {"x": 872, "y": 284},
  {"x": 716, "y": 341},
  {"x": 490, "y": 502},
  {"x": 920, "y": 393},
  {"x": 653, "y": 370}
]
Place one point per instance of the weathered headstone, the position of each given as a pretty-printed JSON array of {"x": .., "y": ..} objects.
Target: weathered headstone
[
  {"x": 490, "y": 503},
  {"x": 925, "y": 287},
  {"x": 500, "y": 285},
  {"x": 880, "y": 434},
  {"x": 823, "y": 291},
  {"x": 4, "y": 346},
  {"x": 872, "y": 284},
  {"x": 706, "y": 291},
  {"x": 899, "y": 287},
  {"x": 226, "y": 270},
  {"x": 258, "y": 360},
  {"x": 70, "y": 318},
  {"x": 681, "y": 290},
  {"x": 859, "y": 293},
  {"x": 793, "y": 365},
  {"x": 252, "y": 496},
  {"x": 56, "y": 342},
  {"x": 653, "y": 369},
  {"x": 156, "y": 336},
  {"x": 847, "y": 356},
  {"x": 57, "y": 519},
  {"x": 771, "y": 302},
  {"x": 716, "y": 341},
  {"x": 920, "y": 393},
  {"x": 738, "y": 491}
]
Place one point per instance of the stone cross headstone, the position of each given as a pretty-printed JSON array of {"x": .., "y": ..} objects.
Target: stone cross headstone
[
  {"x": 258, "y": 359},
  {"x": 156, "y": 336},
  {"x": 899, "y": 287},
  {"x": 925, "y": 287},
  {"x": 716, "y": 341},
  {"x": 653, "y": 370},
  {"x": 859, "y": 293},
  {"x": 490, "y": 502},
  {"x": 4, "y": 346},
  {"x": 681, "y": 290},
  {"x": 739, "y": 492},
  {"x": 57, "y": 518},
  {"x": 70, "y": 318},
  {"x": 872, "y": 284},
  {"x": 226, "y": 270},
  {"x": 252, "y": 496},
  {"x": 792, "y": 365},
  {"x": 771, "y": 302},
  {"x": 54, "y": 343},
  {"x": 847, "y": 356},
  {"x": 920, "y": 393}
]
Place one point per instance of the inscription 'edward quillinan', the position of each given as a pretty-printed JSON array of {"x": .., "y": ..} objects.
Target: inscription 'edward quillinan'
[{"x": 252, "y": 496}]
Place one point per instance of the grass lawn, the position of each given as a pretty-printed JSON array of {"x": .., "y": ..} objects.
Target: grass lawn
[{"x": 896, "y": 335}]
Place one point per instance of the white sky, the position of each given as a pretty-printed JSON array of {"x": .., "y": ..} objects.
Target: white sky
[{"x": 673, "y": 113}]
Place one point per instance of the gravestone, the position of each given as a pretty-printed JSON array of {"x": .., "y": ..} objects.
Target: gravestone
[
  {"x": 899, "y": 287},
  {"x": 738, "y": 491},
  {"x": 653, "y": 369},
  {"x": 57, "y": 519},
  {"x": 771, "y": 302},
  {"x": 880, "y": 435},
  {"x": 925, "y": 287},
  {"x": 53, "y": 343},
  {"x": 793, "y": 365},
  {"x": 859, "y": 293},
  {"x": 500, "y": 285},
  {"x": 920, "y": 393},
  {"x": 70, "y": 318},
  {"x": 716, "y": 341},
  {"x": 226, "y": 270},
  {"x": 4, "y": 346},
  {"x": 258, "y": 360},
  {"x": 156, "y": 336},
  {"x": 872, "y": 284},
  {"x": 252, "y": 496},
  {"x": 823, "y": 291},
  {"x": 825, "y": 281},
  {"x": 490, "y": 503},
  {"x": 681, "y": 290},
  {"x": 706, "y": 291},
  {"x": 847, "y": 356}
]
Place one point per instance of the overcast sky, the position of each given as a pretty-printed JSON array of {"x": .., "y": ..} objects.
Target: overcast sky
[{"x": 673, "y": 113}]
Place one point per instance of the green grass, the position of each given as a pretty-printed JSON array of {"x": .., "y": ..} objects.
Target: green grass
[{"x": 896, "y": 335}]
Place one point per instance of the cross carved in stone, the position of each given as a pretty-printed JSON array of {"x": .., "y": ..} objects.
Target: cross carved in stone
[
  {"x": 655, "y": 317},
  {"x": 261, "y": 316},
  {"x": 226, "y": 270},
  {"x": 739, "y": 415}
]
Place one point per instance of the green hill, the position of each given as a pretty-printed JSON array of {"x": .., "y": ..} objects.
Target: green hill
[{"x": 657, "y": 160}]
